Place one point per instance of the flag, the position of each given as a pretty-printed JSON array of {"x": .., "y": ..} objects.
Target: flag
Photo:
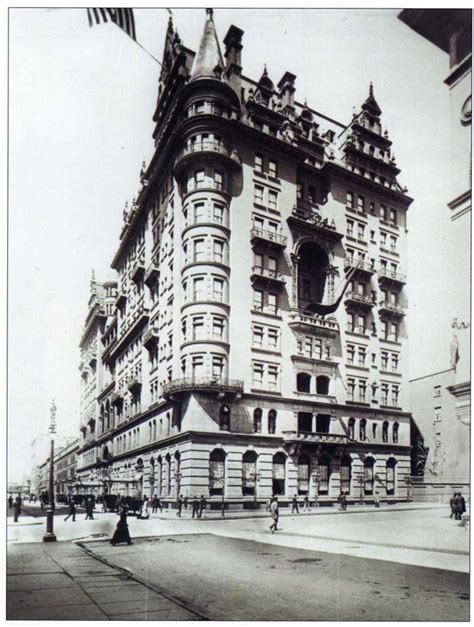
[{"x": 122, "y": 17}]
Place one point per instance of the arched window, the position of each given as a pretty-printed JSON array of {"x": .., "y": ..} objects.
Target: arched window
[
  {"x": 108, "y": 415},
  {"x": 303, "y": 382},
  {"x": 249, "y": 473},
  {"x": 385, "y": 431},
  {"x": 312, "y": 266},
  {"x": 369, "y": 475},
  {"x": 323, "y": 423},
  {"x": 395, "y": 432},
  {"x": 217, "y": 472},
  {"x": 257, "y": 420},
  {"x": 322, "y": 385},
  {"x": 346, "y": 472},
  {"x": 177, "y": 470},
  {"x": 159, "y": 486},
  {"x": 168, "y": 475},
  {"x": 323, "y": 471},
  {"x": 351, "y": 428},
  {"x": 278, "y": 473},
  {"x": 362, "y": 429},
  {"x": 390, "y": 480},
  {"x": 272, "y": 417},
  {"x": 303, "y": 474},
  {"x": 224, "y": 418}
]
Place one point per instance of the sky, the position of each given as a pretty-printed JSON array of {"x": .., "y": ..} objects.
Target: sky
[{"x": 81, "y": 102}]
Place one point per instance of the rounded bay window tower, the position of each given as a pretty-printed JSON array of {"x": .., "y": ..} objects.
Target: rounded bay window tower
[{"x": 206, "y": 169}]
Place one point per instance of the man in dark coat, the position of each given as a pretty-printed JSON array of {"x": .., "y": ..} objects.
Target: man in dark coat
[
  {"x": 202, "y": 506},
  {"x": 10, "y": 501},
  {"x": 185, "y": 502},
  {"x": 16, "y": 509},
  {"x": 72, "y": 511},
  {"x": 121, "y": 533},
  {"x": 294, "y": 505},
  {"x": 179, "y": 505},
  {"x": 451, "y": 505},
  {"x": 89, "y": 509},
  {"x": 195, "y": 505}
]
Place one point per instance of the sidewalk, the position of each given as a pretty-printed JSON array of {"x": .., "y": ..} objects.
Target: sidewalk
[{"x": 61, "y": 581}]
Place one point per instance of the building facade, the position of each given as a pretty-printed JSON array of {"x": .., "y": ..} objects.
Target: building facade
[
  {"x": 448, "y": 437},
  {"x": 205, "y": 367}
]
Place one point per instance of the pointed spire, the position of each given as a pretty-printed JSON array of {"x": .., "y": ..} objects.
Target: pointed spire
[
  {"x": 370, "y": 105},
  {"x": 208, "y": 62}
]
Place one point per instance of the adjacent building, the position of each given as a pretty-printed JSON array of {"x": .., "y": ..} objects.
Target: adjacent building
[
  {"x": 441, "y": 402},
  {"x": 205, "y": 368}
]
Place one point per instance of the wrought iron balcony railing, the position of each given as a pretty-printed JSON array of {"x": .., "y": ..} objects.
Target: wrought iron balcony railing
[
  {"x": 391, "y": 308},
  {"x": 268, "y": 237},
  {"x": 204, "y": 384},
  {"x": 390, "y": 276},
  {"x": 316, "y": 438}
]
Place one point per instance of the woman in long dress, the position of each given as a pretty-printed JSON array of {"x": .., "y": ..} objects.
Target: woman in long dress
[{"x": 121, "y": 532}]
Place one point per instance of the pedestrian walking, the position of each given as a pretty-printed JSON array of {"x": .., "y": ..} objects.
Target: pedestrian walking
[
  {"x": 195, "y": 506},
  {"x": 72, "y": 511},
  {"x": 294, "y": 505},
  {"x": 306, "y": 505},
  {"x": 269, "y": 502},
  {"x": 10, "y": 501},
  {"x": 16, "y": 509},
  {"x": 342, "y": 501},
  {"x": 154, "y": 505},
  {"x": 377, "y": 500},
  {"x": 89, "y": 509},
  {"x": 179, "y": 504},
  {"x": 185, "y": 503},
  {"x": 274, "y": 513},
  {"x": 121, "y": 533},
  {"x": 463, "y": 503},
  {"x": 459, "y": 506},
  {"x": 452, "y": 505},
  {"x": 202, "y": 506}
]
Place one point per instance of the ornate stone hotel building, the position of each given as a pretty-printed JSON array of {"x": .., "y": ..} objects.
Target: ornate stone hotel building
[{"x": 204, "y": 367}]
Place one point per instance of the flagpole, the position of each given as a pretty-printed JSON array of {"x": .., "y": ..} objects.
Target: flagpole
[{"x": 138, "y": 44}]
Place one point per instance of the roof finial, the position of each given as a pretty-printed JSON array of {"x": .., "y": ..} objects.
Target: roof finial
[
  {"x": 265, "y": 73},
  {"x": 371, "y": 90},
  {"x": 210, "y": 13}
]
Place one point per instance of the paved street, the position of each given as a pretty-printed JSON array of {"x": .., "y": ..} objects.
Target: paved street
[
  {"x": 230, "y": 579},
  {"x": 404, "y": 563}
]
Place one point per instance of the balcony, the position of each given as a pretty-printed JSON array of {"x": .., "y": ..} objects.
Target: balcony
[
  {"x": 173, "y": 390},
  {"x": 120, "y": 300},
  {"x": 303, "y": 437},
  {"x": 135, "y": 385},
  {"x": 151, "y": 276},
  {"x": 117, "y": 399},
  {"x": 389, "y": 278},
  {"x": 358, "y": 301},
  {"x": 316, "y": 324},
  {"x": 363, "y": 269},
  {"x": 205, "y": 149},
  {"x": 270, "y": 239},
  {"x": 150, "y": 338},
  {"x": 267, "y": 276},
  {"x": 138, "y": 272},
  {"x": 391, "y": 309},
  {"x": 311, "y": 219}
]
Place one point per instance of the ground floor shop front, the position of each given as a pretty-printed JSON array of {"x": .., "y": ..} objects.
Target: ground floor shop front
[{"x": 246, "y": 472}]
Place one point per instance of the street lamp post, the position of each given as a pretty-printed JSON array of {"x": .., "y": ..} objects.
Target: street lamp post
[{"x": 49, "y": 536}]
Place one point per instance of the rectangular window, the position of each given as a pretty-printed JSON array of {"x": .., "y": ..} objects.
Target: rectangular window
[
  {"x": 361, "y": 324},
  {"x": 360, "y": 203},
  {"x": 218, "y": 290},
  {"x": 200, "y": 178},
  {"x": 218, "y": 213},
  {"x": 218, "y": 251},
  {"x": 437, "y": 390},
  {"x": 384, "y": 360},
  {"x": 258, "y": 300},
  {"x": 394, "y": 362},
  {"x": 393, "y": 243},
  {"x": 217, "y": 367},
  {"x": 350, "y": 228},
  {"x": 272, "y": 303},
  {"x": 384, "y": 399},
  {"x": 272, "y": 377},
  {"x": 395, "y": 394},
  {"x": 299, "y": 190},
  {"x": 198, "y": 289},
  {"x": 394, "y": 332},
  {"x": 360, "y": 231},
  {"x": 350, "y": 353},
  {"x": 383, "y": 239},
  {"x": 199, "y": 212},
  {"x": 217, "y": 328},
  {"x": 198, "y": 327},
  {"x": 318, "y": 348},
  {"x": 351, "y": 389},
  {"x": 218, "y": 180},
  {"x": 257, "y": 337},
  {"x": 393, "y": 216},
  {"x": 362, "y": 391},
  {"x": 350, "y": 200},
  {"x": 198, "y": 250},
  {"x": 272, "y": 168},
  {"x": 383, "y": 212},
  {"x": 361, "y": 352},
  {"x": 272, "y": 199},
  {"x": 257, "y": 375},
  {"x": 258, "y": 164},
  {"x": 272, "y": 338},
  {"x": 258, "y": 195},
  {"x": 197, "y": 366}
]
